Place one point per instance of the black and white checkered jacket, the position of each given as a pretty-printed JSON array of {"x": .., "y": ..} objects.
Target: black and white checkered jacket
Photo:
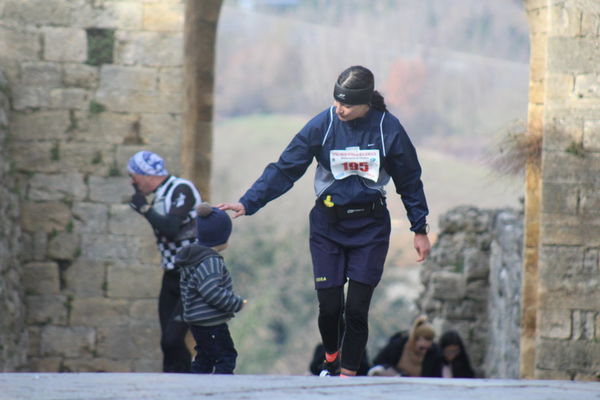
[{"x": 187, "y": 233}]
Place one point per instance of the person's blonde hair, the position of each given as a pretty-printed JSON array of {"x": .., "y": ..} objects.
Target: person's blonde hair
[{"x": 422, "y": 328}]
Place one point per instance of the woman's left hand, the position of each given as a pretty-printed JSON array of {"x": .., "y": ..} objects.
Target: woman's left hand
[{"x": 422, "y": 246}]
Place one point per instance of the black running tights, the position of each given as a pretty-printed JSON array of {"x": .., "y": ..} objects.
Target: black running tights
[{"x": 353, "y": 315}]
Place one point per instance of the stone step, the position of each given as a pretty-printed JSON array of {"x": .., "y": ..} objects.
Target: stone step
[{"x": 124, "y": 386}]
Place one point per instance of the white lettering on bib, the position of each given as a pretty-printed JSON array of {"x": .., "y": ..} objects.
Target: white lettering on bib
[{"x": 353, "y": 161}]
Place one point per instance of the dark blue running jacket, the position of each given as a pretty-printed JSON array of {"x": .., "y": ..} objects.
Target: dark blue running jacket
[{"x": 377, "y": 130}]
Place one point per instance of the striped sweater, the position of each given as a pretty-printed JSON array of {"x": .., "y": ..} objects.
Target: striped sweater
[{"x": 206, "y": 286}]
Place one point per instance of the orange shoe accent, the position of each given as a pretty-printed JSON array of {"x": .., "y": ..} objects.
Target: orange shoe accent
[{"x": 331, "y": 357}]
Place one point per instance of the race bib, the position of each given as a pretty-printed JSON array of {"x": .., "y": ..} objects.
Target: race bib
[{"x": 353, "y": 161}]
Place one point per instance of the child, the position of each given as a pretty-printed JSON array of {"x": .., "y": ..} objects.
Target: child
[{"x": 207, "y": 293}]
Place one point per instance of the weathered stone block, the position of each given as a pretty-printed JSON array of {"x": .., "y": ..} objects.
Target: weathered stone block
[
  {"x": 152, "y": 49},
  {"x": 171, "y": 80},
  {"x": 591, "y": 135},
  {"x": 463, "y": 309},
  {"x": 583, "y": 55},
  {"x": 46, "y": 364},
  {"x": 40, "y": 125},
  {"x": 33, "y": 341},
  {"x": 35, "y": 157},
  {"x": 46, "y": 217},
  {"x": 140, "y": 101},
  {"x": 30, "y": 97},
  {"x": 74, "y": 341},
  {"x": 90, "y": 218},
  {"x": 477, "y": 290},
  {"x": 46, "y": 309},
  {"x": 69, "y": 98},
  {"x": 476, "y": 264},
  {"x": 584, "y": 324},
  {"x": 65, "y": 44},
  {"x": 163, "y": 17},
  {"x": 120, "y": 276},
  {"x": 113, "y": 77},
  {"x": 83, "y": 158},
  {"x": 538, "y": 15},
  {"x": 125, "y": 221},
  {"x": 35, "y": 245},
  {"x": 41, "y": 73},
  {"x": 19, "y": 45},
  {"x": 110, "y": 14},
  {"x": 465, "y": 219},
  {"x": 41, "y": 278},
  {"x": 144, "y": 310},
  {"x": 562, "y": 132},
  {"x": 587, "y": 86},
  {"x": 68, "y": 186},
  {"x": 553, "y": 375},
  {"x": 447, "y": 285},
  {"x": 558, "y": 229},
  {"x": 147, "y": 365},
  {"x": 555, "y": 323},
  {"x": 570, "y": 270},
  {"x": 85, "y": 278},
  {"x": 558, "y": 355},
  {"x": 37, "y": 12},
  {"x": 566, "y": 167},
  {"x": 561, "y": 198},
  {"x": 97, "y": 247},
  {"x": 105, "y": 127},
  {"x": 589, "y": 202},
  {"x": 64, "y": 246},
  {"x": 160, "y": 128},
  {"x": 558, "y": 87},
  {"x": 147, "y": 252},
  {"x": 590, "y": 24},
  {"x": 80, "y": 75},
  {"x": 129, "y": 342},
  {"x": 99, "y": 311},
  {"x": 110, "y": 190},
  {"x": 566, "y": 21}
]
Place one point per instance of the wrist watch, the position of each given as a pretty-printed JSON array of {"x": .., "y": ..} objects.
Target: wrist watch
[
  {"x": 145, "y": 208},
  {"x": 424, "y": 230}
]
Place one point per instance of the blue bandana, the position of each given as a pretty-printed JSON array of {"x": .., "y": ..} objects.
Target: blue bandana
[{"x": 147, "y": 163}]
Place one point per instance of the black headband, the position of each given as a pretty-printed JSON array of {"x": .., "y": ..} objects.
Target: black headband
[{"x": 352, "y": 96}]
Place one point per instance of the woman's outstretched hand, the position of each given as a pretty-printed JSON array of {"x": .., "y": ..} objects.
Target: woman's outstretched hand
[{"x": 238, "y": 208}]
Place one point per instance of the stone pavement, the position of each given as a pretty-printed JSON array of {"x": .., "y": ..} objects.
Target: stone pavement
[{"x": 142, "y": 386}]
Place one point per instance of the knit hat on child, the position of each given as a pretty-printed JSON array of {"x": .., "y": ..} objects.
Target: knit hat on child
[{"x": 213, "y": 226}]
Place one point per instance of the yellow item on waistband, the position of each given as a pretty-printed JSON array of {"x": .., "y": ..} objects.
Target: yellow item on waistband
[{"x": 328, "y": 202}]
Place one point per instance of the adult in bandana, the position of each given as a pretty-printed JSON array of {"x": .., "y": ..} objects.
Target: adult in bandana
[
  {"x": 171, "y": 213},
  {"x": 359, "y": 145}
]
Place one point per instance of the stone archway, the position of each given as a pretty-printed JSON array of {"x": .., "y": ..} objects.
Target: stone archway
[
  {"x": 82, "y": 118},
  {"x": 560, "y": 235}
]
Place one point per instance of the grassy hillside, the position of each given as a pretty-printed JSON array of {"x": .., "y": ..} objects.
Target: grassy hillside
[{"x": 269, "y": 254}]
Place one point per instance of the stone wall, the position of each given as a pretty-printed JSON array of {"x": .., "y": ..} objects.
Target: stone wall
[
  {"x": 472, "y": 283},
  {"x": 565, "y": 104},
  {"x": 13, "y": 332},
  {"x": 92, "y": 83}
]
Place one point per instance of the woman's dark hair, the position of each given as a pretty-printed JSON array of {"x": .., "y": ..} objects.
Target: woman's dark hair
[
  {"x": 359, "y": 77},
  {"x": 461, "y": 365}
]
